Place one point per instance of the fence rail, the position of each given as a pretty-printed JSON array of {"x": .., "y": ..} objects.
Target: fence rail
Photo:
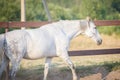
[
  {"x": 71, "y": 53},
  {"x": 94, "y": 52},
  {"x": 38, "y": 24}
]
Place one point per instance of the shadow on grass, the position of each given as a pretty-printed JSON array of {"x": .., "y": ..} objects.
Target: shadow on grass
[{"x": 103, "y": 69}]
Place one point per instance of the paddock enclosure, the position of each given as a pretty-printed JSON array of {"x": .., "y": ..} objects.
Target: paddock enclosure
[
  {"x": 100, "y": 23},
  {"x": 77, "y": 53}
]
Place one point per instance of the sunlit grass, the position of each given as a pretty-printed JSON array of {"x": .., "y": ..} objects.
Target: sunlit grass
[{"x": 82, "y": 42}]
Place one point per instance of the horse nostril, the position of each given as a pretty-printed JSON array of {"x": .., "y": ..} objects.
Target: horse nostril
[{"x": 99, "y": 42}]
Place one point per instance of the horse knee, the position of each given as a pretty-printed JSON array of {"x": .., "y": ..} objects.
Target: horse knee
[
  {"x": 47, "y": 65},
  {"x": 72, "y": 66}
]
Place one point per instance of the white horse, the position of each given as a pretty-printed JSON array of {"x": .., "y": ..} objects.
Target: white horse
[{"x": 47, "y": 41}]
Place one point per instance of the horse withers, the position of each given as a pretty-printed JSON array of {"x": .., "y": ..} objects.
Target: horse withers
[{"x": 48, "y": 41}]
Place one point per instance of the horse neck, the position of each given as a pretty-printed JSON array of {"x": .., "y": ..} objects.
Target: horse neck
[{"x": 70, "y": 27}]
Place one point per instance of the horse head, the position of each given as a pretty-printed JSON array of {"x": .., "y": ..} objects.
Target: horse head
[{"x": 91, "y": 31}]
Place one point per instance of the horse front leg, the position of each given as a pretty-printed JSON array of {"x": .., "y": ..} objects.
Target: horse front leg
[
  {"x": 47, "y": 66},
  {"x": 71, "y": 65},
  {"x": 66, "y": 58}
]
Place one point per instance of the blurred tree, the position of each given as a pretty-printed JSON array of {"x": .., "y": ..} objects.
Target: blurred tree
[
  {"x": 61, "y": 9},
  {"x": 35, "y": 10},
  {"x": 10, "y": 10},
  {"x": 116, "y": 5}
]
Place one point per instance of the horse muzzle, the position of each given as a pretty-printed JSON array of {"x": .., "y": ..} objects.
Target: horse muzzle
[{"x": 99, "y": 42}]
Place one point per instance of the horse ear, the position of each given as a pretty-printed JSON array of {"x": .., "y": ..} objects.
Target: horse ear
[
  {"x": 88, "y": 21},
  {"x": 88, "y": 18}
]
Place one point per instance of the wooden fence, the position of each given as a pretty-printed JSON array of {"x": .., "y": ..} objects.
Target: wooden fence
[{"x": 116, "y": 23}]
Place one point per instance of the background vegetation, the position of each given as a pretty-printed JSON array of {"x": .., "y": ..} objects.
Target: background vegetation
[
  {"x": 69, "y": 9},
  {"x": 64, "y": 9}
]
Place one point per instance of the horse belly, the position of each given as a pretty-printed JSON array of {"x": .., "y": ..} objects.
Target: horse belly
[
  {"x": 40, "y": 54},
  {"x": 40, "y": 50}
]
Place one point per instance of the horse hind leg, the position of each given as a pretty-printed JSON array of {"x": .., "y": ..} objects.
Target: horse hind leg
[
  {"x": 14, "y": 69},
  {"x": 47, "y": 66},
  {"x": 15, "y": 62},
  {"x": 4, "y": 67}
]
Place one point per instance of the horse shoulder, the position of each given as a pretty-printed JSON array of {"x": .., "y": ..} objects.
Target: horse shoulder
[{"x": 62, "y": 44}]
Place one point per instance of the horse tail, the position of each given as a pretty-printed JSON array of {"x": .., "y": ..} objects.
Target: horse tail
[{"x": 5, "y": 61}]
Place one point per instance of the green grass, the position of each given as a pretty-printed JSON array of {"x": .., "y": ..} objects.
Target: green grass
[{"x": 109, "y": 30}]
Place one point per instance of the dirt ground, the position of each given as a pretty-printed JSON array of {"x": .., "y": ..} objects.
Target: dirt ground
[{"x": 114, "y": 75}]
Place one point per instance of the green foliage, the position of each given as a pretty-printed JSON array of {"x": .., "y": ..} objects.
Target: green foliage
[
  {"x": 2, "y": 30},
  {"x": 116, "y": 5},
  {"x": 109, "y": 30},
  {"x": 10, "y": 10},
  {"x": 61, "y": 9},
  {"x": 58, "y": 12},
  {"x": 35, "y": 10}
]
